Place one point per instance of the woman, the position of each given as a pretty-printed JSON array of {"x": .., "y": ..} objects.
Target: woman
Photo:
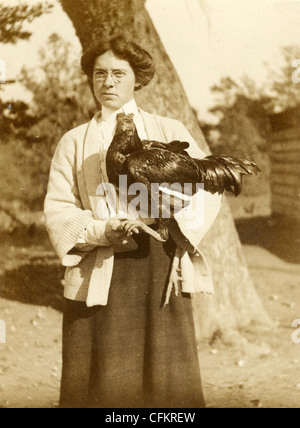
[{"x": 121, "y": 348}]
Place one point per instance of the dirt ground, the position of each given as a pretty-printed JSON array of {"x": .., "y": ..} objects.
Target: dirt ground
[{"x": 263, "y": 375}]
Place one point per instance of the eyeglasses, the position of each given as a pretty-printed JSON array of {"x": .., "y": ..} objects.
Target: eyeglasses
[{"x": 116, "y": 75}]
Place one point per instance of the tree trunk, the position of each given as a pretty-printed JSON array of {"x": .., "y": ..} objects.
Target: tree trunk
[{"x": 236, "y": 303}]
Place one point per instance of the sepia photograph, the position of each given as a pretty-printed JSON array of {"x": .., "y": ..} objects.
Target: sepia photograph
[{"x": 150, "y": 206}]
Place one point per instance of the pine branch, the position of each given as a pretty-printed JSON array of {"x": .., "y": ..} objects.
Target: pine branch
[{"x": 12, "y": 19}]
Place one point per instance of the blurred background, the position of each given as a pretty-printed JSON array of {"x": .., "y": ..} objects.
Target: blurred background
[
  {"x": 240, "y": 67},
  {"x": 243, "y": 83}
]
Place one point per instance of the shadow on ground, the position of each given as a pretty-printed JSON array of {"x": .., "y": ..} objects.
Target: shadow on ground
[
  {"x": 274, "y": 234},
  {"x": 34, "y": 283},
  {"x": 26, "y": 236},
  {"x": 30, "y": 271}
]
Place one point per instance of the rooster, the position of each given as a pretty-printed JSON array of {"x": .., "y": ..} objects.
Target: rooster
[{"x": 147, "y": 162}]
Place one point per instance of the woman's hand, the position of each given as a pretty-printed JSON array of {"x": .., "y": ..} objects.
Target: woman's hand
[{"x": 115, "y": 232}]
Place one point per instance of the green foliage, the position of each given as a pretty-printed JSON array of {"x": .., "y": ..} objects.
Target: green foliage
[
  {"x": 61, "y": 101},
  {"x": 243, "y": 111},
  {"x": 16, "y": 156},
  {"x": 14, "y": 117},
  {"x": 61, "y": 96},
  {"x": 18, "y": 183},
  {"x": 12, "y": 19},
  {"x": 243, "y": 119},
  {"x": 242, "y": 128},
  {"x": 285, "y": 93}
]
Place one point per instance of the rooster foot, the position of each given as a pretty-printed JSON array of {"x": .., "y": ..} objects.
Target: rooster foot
[
  {"x": 135, "y": 226},
  {"x": 175, "y": 277},
  {"x": 162, "y": 229}
]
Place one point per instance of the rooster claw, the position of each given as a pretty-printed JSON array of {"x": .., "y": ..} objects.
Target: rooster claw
[
  {"x": 174, "y": 282},
  {"x": 134, "y": 226},
  {"x": 175, "y": 279}
]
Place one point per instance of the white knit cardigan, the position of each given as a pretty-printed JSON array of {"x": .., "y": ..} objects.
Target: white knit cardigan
[{"x": 71, "y": 203}]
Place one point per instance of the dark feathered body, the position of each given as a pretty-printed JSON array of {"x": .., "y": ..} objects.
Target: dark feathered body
[
  {"x": 124, "y": 142},
  {"x": 154, "y": 162}
]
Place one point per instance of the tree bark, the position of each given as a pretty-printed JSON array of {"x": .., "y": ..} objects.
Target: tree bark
[{"x": 236, "y": 303}]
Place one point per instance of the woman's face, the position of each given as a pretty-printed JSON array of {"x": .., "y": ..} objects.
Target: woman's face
[{"x": 114, "y": 81}]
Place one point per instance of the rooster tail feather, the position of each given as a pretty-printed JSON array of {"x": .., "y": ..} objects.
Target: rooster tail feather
[{"x": 220, "y": 173}]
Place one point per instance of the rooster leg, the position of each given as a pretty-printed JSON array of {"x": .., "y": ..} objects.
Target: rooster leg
[
  {"x": 175, "y": 277},
  {"x": 134, "y": 226},
  {"x": 162, "y": 228}
]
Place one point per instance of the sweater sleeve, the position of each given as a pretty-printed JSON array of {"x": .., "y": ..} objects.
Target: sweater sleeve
[{"x": 65, "y": 216}]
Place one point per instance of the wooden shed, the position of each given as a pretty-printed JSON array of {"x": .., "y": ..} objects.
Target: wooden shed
[{"x": 284, "y": 150}]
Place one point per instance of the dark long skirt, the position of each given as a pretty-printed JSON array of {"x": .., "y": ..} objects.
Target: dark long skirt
[{"x": 132, "y": 353}]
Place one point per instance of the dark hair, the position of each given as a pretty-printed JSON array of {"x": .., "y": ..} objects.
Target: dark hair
[{"x": 140, "y": 60}]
